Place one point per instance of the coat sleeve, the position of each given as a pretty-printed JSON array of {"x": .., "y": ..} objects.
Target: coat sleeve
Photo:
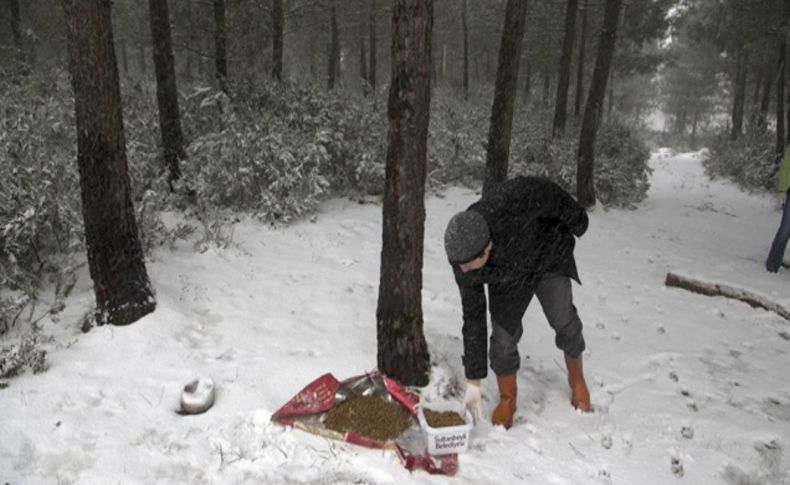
[{"x": 475, "y": 331}]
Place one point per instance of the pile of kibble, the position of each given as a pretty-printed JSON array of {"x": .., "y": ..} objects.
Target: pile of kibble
[
  {"x": 444, "y": 419},
  {"x": 369, "y": 416}
]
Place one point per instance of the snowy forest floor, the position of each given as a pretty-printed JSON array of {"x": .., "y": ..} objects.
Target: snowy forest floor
[{"x": 686, "y": 388}]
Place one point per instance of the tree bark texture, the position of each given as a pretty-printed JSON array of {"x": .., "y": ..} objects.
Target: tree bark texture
[
  {"x": 372, "y": 27},
  {"x": 220, "y": 45},
  {"x": 402, "y": 350},
  {"x": 143, "y": 63},
  {"x": 278, "y": 24},
  {"x": 465, "y": 31},
  {"x": 527, "y": 83},
  {"x": 363, "y": 57},
  {"x": 585, "y": 160},
  {"x": 499, "y": 134},
  {"x": 166, "y": 89},
  {"x": 115, "y": 255},
  {"x": 334, "y": 46},
  {"x": 739, "y": 99},
  {"x": 16, "y": 30},
  {"x": 765, "y": 99},
  {"x": 580, "y": 68},
  {"x": 561, "y": 105}
]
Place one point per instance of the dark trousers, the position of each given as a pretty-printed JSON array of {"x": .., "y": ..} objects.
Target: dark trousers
[
  {"x": 779, "y": 244},
  {"x": 507, "y": 304}
]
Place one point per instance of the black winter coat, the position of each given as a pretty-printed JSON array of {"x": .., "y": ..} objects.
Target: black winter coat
[{"x": 533, "y": 223}]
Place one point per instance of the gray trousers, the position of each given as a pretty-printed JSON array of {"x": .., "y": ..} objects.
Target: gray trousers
[{"x": 507, "y": 304}]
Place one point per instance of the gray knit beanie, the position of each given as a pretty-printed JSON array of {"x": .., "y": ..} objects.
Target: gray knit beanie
[{"x": 465, "y": 237}]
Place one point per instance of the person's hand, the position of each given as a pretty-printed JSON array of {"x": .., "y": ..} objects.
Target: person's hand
[{"x": 473, "y": 400}]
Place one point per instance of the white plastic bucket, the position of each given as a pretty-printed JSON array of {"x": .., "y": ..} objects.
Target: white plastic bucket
[{"x": 449, "y": 439}]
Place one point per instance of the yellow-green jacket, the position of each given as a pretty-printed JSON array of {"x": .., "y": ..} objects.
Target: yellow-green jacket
[{"x": 783, "y": 177}]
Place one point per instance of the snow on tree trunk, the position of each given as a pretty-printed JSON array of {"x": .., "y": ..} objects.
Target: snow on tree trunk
[
  {"x": 278, "y": 21},
  {"x": 561, "y": 105},
  {"x": 166, "y": 90},
  {"x": 334, "y": 46},
  {"x": 585, "y": 161},
  {"x": 501, "y": 124},
  {"x": 402, "y": 350},
  {"x": 115, "y": 255},
  {"x": 580, "y": 67},
  {"x": 220, "y": 45}
]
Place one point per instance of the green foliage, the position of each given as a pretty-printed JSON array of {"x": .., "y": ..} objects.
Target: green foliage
[{"x": 749, "y": 161}]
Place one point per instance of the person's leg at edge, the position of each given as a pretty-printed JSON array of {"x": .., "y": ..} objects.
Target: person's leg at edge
[
  {"x": 507, "y": 307},
  {"x": 779, "y": 244},
  {"x": 556, "y": 299}
]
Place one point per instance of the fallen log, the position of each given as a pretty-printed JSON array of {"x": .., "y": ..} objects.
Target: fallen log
[{"x": 719, "y": 289}]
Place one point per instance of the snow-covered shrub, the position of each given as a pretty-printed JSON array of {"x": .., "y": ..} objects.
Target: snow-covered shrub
[
  {"x": 621, "y": 156},
  {"x": 456, "y": 141},
  {"x": 24, "y": 354},
  {"x": 749, "y": 161},
  {"x": 621, "y": 169},
  {"x": 282, "y": 148},
  {"x": 39, "y": 184}
]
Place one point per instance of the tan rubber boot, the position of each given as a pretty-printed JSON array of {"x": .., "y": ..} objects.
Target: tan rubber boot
[
  {"x": 504, "y": 411},
  {"x": 580, "y": 395}
]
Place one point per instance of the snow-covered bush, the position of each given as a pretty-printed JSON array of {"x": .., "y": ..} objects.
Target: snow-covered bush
[
  {"x": 282, "y": 148},
  {"x": 749, "y": 161},
  {"x": 621, "y": 169},
  {"x": 26, "y": 353},
  {"x": 456, "y": 141},
  {"x": 621, "y": 156},
  {"x": 39, "y": 184}
]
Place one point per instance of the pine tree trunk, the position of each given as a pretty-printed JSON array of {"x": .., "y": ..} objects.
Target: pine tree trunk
[
  {"x": 363, "y": 57},
  {"x": 561, "y": 105},
  {"x": 372, "y": 26},
  {"x": 166, "y": 90},
  {"x": 501, "y": 125},
  {"x": 278, "y": 24},
  {"x": 334, "y": 47},
  {"x": 585, "y": 162},
  {"x": 580, "y": 68},
  {"x": 765, "y": 100},
  {"x": 16, "y": 30},
  {"x": 220, "y": 45},
  {"x": 402, "y": 350},
  {"x": 189, "y": 21},
  {"x": 610, "y": 109},
  {"x": 546, "y": 90},
  {"x": 527, "y": 83},
  {"x": 143, "y": 63},
  {"x": 115, "y": 255},
  {"x": 465, "y": 30},
  {"x": 124, "y": 57},
  {"x": 740, "y": 93},
  {"x": 694, "y": 129}
]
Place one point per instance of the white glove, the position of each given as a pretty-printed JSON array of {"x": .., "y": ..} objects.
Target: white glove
[{"x": 473, "y": 400}]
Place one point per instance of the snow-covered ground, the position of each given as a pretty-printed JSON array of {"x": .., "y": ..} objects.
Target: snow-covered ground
[{"x": 679, "y": 381}]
